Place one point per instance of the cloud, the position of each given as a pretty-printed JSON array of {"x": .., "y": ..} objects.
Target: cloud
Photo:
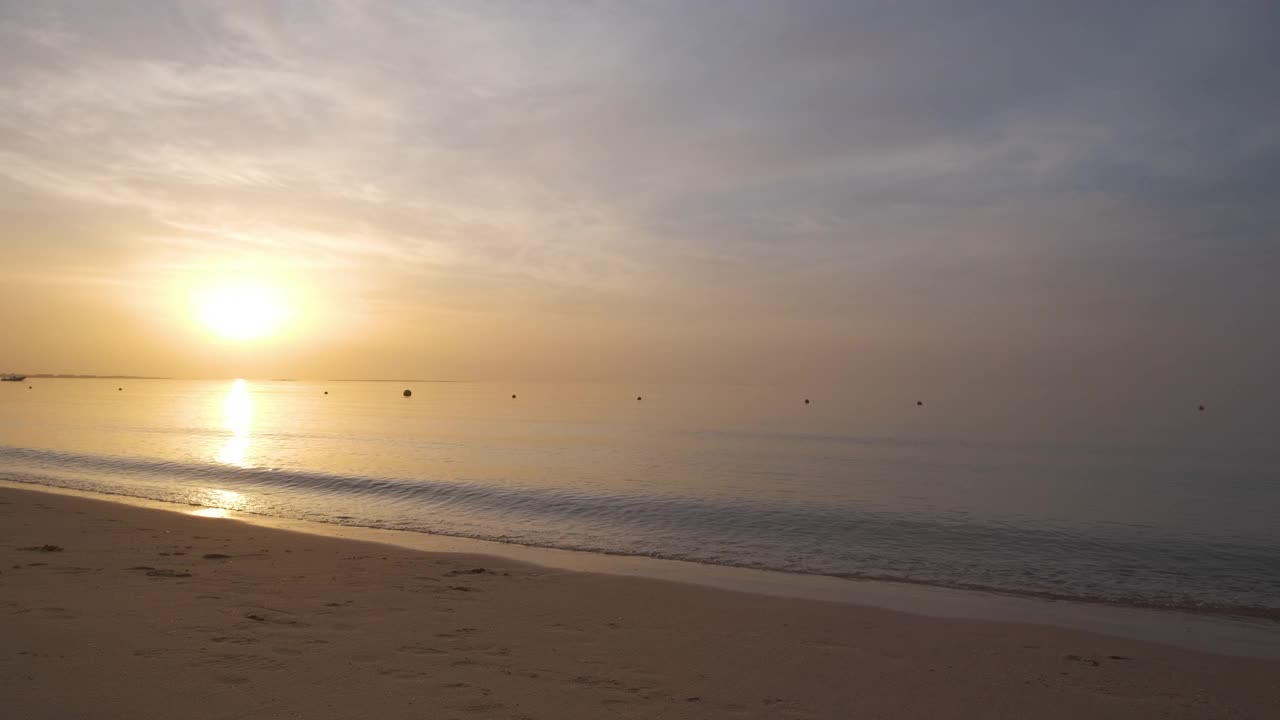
[{"x": 885, "y": 166}]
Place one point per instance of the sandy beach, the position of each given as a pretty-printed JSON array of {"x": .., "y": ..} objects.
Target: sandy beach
[{"x": 114, "y": 611}]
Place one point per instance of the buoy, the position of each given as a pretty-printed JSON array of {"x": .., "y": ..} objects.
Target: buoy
[
  {"x": 806, "y": 401},
  {"x": 639, "y": 398},
  {"x": 326, "y": 392},
  {"x": 513, "y": 397},
  {"x": 119, "y": 389},
  {"x": 408, "y": 393},
  {"x": 1201, "y": 408},
  {"x": 919, "y": 403}
]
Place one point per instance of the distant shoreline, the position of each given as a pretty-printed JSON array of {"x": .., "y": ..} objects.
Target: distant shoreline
[{"x": 51, "y": 376}]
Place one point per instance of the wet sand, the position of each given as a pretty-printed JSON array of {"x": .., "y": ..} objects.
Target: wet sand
[{"x": 114, "y": 611}]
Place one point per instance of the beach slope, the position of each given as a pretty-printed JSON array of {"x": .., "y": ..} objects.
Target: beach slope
[{"x": 114, "y": 611}]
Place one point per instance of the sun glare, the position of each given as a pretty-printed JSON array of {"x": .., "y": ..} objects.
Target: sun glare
[{"x": 243, "y": 312}]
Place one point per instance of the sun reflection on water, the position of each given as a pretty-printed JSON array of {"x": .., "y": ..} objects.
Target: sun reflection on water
[
  {"x": 221, "y": 502},
  {"x": 238, "y": 410},
  {"x": 224, "y": 498}
]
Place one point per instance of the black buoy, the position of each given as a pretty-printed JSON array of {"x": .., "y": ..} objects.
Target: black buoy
[
  {"x": 806, "y": 401},
  {"x": 639, "y": 398},
  {"x": 919, "y": 403},
  {"x": 408, "y": 393},
  {"x": 513, "y": 397},
  {"x": 119, "y": 389},
  {"x": 1201, "y": 408},
  {"x": 326, "y": 392}
]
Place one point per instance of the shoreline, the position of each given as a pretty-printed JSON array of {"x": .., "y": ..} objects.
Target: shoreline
[
  {"x": 1236, "y": 635},
  {"x": 147, "y": 608},
  {"x": 1194, "y": 588},
  {"x": 1208, "y": 609},
  {"x": 135, "y": 609}
]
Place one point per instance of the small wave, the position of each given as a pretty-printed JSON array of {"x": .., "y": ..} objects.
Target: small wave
[{"x": 1107, "y": 564}]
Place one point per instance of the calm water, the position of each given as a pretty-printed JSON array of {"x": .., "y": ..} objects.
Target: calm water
[{"x": 1087, "y": 501}]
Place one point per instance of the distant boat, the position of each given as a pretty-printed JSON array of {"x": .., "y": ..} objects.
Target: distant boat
[{"x": 13, "y": 378}]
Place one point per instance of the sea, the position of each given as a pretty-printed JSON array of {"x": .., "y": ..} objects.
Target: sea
[{"x": 1159, "y": 503}]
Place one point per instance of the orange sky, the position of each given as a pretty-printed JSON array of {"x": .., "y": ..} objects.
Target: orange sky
[{"x": 856, "y": 192}]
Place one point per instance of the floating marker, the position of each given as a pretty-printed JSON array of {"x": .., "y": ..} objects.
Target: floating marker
[
  {"x": 639, "y": 398},
  {"x": 119, "y": 389},
  {"x": 408, "y": 393},
  {"x": 326, "y": 392},
  {"x": 919, "y": 403},
  {"x": 1201, "y": 408},
  {"x": 806, "y": 401},
  {"x": 513, "y": 397}
]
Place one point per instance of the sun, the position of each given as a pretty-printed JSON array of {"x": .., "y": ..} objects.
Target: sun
[{"x": 243, "y": 311}]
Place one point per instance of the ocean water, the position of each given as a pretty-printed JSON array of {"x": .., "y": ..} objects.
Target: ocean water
[{"x": 1090, "y": 501}]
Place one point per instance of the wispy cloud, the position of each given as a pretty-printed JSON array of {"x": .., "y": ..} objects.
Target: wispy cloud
[{"x": 886, "y": 166}]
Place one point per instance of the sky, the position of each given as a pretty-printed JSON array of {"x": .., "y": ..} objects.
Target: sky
[{"x": 955, "y": 193}]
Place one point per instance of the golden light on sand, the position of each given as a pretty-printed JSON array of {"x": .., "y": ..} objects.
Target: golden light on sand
[
  {"x": 211, "y": 513},
  {"x": 243, "y": 311}
]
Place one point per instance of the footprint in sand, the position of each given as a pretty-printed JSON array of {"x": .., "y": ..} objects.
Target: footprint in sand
[
  {"x": 234, "y": 639},
  {"x": 421, "y": 650},
  {"x": 1093, "y": 661},
  {"x": 167, "y": 573},
  {"x": 163, "y": 653},
  {"x": 403, "y": 673},
  {"x": 73, "y": 570},
  {"x": 42, "y": 548},
  {"x": 274, "y": 620},
  {"x": 479, "y": 707},
  {"x": 457, "y": 634},
  {"x": 237, "y": 661},
  {"x": 53, "y": 613}
]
